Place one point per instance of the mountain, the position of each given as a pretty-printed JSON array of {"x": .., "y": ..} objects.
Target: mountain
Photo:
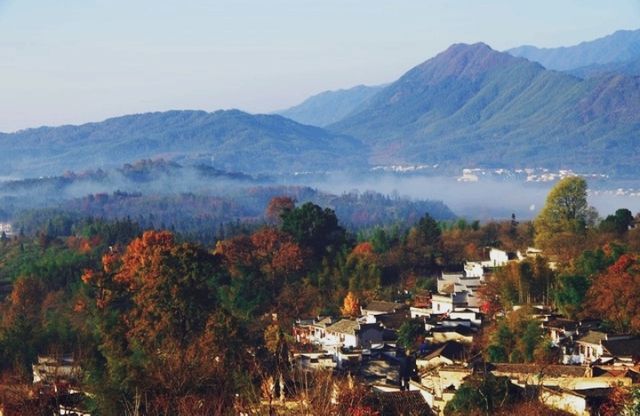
[
  {"x": 630, "y": 68},
  {"x": 621, "y": 46},
  {"x": 231, "y": 140},
  {"x": 330, "y": 106},
  {"x": 473, "y": 106}
]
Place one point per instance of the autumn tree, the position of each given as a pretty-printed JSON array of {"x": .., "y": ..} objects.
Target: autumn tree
[
  {"x": 264, "y": 267},
  {"x": 363, "y": 268},
  {"x": 351, "y": 305},
  {"x": 160, "y": 329},
  {"x": 21, "y": 326},
  {"x": 278, "y": 206},
  {"x": 277, "y": 363},
  {"x": 524, "y": 282},
  {"x": 614, "y": 295}
]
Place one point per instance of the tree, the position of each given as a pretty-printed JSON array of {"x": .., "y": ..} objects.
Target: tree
[
  {"x": 158, "y": 326},
  {"x": 614, "y": 295},
  {"x": 277, "y": 207},
  {"x": 314, "y": 228},
  {"x": 423, "y": 248},
  {"x": 411, "y": 333},
  {"x": 351, "y": 305},
  {"x": 261, "y": 265},
  {"x": 570, "y": 294},
  {"x": 482, "y": 395},
  {"x": 565, "y": 213},
  {"x": 517, "y": 338},
  {"x": 21, "y": 324},
  {"x": 618, "y": 223}
]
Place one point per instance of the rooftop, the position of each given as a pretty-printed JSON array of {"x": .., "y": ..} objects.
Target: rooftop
[
  {"x": 593, "y": 337},
  {"x": 451, "y": 350},
  {"x": 384, "y": 306},
  {"x": 402, "y": 403},
  {"x": 552, "y": 370},
  {"x": 344, "y": 326},
  {"x": 561, "y": 323},
  {"x": 623, "y": 347}
]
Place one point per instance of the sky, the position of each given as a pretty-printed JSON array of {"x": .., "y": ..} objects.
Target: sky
[{"x": 75, "y": 61}]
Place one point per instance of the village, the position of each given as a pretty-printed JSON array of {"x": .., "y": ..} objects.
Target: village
[
  {"x": 592, "y": 361},
  {"x": 423, "y": 380}
]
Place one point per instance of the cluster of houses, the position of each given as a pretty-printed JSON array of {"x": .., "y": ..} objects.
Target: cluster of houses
[
  {"x": 56, "y": 381},
  {"x": 593, "y": 361}
]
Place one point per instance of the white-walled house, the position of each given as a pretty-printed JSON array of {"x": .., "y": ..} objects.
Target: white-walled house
[
  {"x": 597, "y": 345},
  {"x": 441, "y": 303},
  {"x": 474, "y": 269},
  {"x": 472, "y": 315},
  {"x": 349, "y": 333},
  {"x": 312, "y": 330},
  {"x": 499, "y": 258},
  {"x": 420, "y": 312}
]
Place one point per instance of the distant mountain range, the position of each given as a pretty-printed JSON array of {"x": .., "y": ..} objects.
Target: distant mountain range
[
  {"x": 629, "y": 68},
  {"x": 231, "y": 140},
  {"x": 469, "y": 106},
  {"x": 331, "y": 106},
  {"x": 474, "y": 106},
  {"x": 621, "y": 46}
]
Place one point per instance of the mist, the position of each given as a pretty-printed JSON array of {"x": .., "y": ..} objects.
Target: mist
[
  {"x": 489, "y": 198},
  {"x": 486, "y": 199}
]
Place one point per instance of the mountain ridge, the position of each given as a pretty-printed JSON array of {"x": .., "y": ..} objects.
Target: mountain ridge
[
  {"x": 235, "y": 140},
  {"x": 620, "y": 46},
  {"x": 450, "y": 108},
  {"x": 330, "y": 106}
]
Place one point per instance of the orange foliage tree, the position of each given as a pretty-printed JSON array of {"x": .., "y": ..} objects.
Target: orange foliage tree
[
  {"x": 268, "y": 250},
  {"x": 351, "y": 305},
  {"x": 278, "y": 206},
  {"x": 614, "y": 294},
  {"x": 160, "y": 327}
]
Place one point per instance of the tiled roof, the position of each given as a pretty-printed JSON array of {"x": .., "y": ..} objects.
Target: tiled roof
[
  {"x": 344, "y": 326},
  {"x": 402, "y": 403},
  {"x": 616, "y": 372},
  {"x": 393, "y": 320},
  {"x": 383, "y": 306},
  {"x": 566, "y": 324},
  {"x": 553, "y": 370},
  {"x": 459, "y": 329},
  {"x": 451, "y": 350},
  {"x": 323, "y": 321},
  {"x": 623, "y": 347},
  {"x": 593, "y": 337}
]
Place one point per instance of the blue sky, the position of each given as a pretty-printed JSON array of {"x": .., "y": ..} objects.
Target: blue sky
[{"x": 73, "y": 61}]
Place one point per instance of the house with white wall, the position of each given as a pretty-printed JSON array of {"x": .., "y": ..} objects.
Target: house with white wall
[
  {"x": 349, "y": 333},
  {"x": 447, "y": 303}
]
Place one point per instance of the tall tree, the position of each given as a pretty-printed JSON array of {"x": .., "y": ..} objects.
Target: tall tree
[
  {"x": 351, "y": 305},
  {"x": 565, "y": 215},
  {"x": 314, "y": 228},
  {"x": 158, "y": 324}
]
